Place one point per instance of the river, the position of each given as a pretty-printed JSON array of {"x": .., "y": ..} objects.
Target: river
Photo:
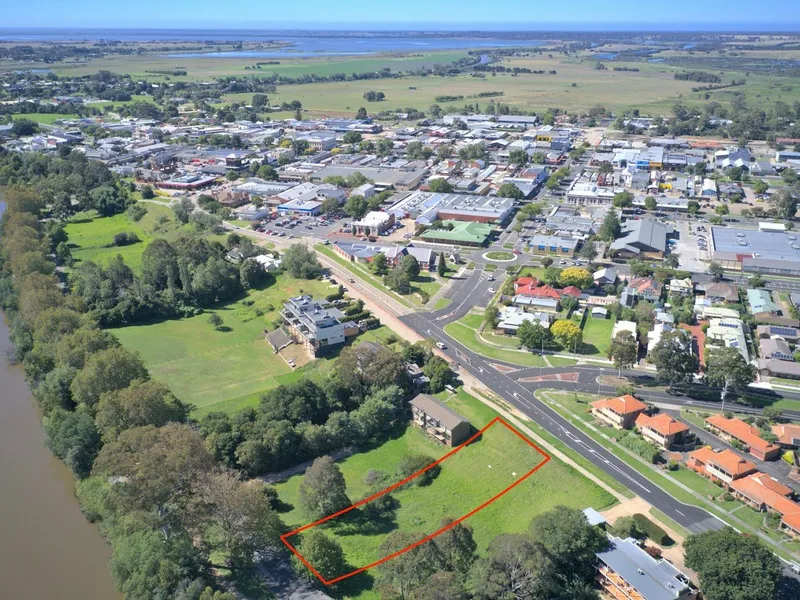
[{"x": 48, "y": 548}]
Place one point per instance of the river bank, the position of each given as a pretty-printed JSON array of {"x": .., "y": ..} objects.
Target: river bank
[{"x": 49, "y": 550}]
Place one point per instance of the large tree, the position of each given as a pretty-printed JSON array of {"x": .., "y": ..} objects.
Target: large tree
[
  {"x": 243, "y": 518},
  {"x": 733, "y": 566},
  {"x": 623, "y": 350},
  {"x": 301, "y": 263},
  {"x": 610, "y": 228},
  {"x": 323, "y": 490},
  {"x": 577, "y": 276},
  {"x": 673, "y": 359},
  {"x": 727, "y": 368},
  {"x": 567, "y": 333},
  {"x": 442, "y": 585},
  {"x": 534, "y": 336},
  {"x": 569, "y": 539},
  {"x": 157, "y": 469},
  {"x": 515, "y": 567},
  {"x": 398, "y": 577},
  {"x": 323, "y": 553},
  {"x": 142, "y": 403},
  {"x": 785, "y": 202},
  {"x": 106, "y": 371},
  {"x": 457, "y": 546}
]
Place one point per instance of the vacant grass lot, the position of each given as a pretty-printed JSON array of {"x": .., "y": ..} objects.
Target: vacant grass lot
[
  {"x": 91, "y": 237},
  {"x": 597, "y": 336},
  {"x": 465, "y": 482},
  {"x": 222, "y": 370}
]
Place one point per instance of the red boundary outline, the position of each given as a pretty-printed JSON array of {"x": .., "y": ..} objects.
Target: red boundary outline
[{"x": 406, "y": 480}]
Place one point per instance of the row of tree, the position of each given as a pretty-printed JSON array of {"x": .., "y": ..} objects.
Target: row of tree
[{"x": 145, "y": 475}]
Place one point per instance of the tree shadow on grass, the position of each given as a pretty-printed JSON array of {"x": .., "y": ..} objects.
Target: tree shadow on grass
[
  {"x": 351, "y": 587},
  {"x": 377, "y": 517}
]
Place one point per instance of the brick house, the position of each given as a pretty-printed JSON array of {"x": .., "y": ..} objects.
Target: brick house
[
  {"x": 747, "y": 435},
  {"x": 725, "y": 465},
  {"x": 620, "y": 412},
  {"x": 662, "y": 430}
]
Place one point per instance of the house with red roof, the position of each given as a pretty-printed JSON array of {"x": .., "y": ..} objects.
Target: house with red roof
[
  {"x": 572, "y": 291},
  {"x": 528, "y": 293},
  {"x": 724, "y": 466},
  {"x": 620, "y": 412},
  {"x": 662, "y": 430},
  {"x": 747, "y": 435}
]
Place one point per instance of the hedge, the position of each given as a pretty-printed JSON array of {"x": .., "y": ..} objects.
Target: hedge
[
  {"x": 653, "y": 531},
  {"x": 650, "y": 452}
]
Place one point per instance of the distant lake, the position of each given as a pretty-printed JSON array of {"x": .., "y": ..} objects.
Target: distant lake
[{"x": 305, "y": 47}]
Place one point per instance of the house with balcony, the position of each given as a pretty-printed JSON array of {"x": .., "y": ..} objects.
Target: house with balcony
[
  {"x": 315, "y": 325},
  {"x": 626, "y": 572},
  {"x": 723, "y": 466},
  {"x": 747, "y": 435},
  {"x": 439, "y": 421},
  {"x": 764, "y": 494},
  {"x": 620, "y": 412},
  {"x": 662, "y": 430}
]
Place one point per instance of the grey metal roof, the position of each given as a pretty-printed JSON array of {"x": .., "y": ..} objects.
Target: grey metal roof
[
  {"x": 435, "y": 409},
  {"x": 759, "y": 244},
  {"x": 643, "y": 233},
  {"x": 653, "y": 579}
]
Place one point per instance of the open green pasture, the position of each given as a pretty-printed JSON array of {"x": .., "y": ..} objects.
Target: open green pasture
[{"x": 467, "y": 479}]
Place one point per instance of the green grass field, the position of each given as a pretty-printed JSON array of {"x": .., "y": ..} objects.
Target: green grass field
[
  {"x": 222, "y": 370},
  {"x": 44, "y": 118},
  {"x": 91, "y": 237},
  {"x": 204, "y": 68},
  {"x": 465, "y": 482},
  {"x": 465, "y": 331},
  {"x": 597, "y": 336}
]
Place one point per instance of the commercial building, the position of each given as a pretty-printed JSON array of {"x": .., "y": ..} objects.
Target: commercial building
[
  {"x": 307, "y": 198},
  {"x": 587, "y": 193},
  {"x": 747, "y": 435},
  {"x": 404, "y": 178},
  {"x": 620, "y": 412},
  {"x": 463, "y": 233},
  {"x": 194, "y": 181},
  {"x": 255, "y": 188},
  {"x": 316, "y": 326},
  {"x": 427, "y": 207},
  {"x": 626, "y": 572},
  {"x": 769, "y": 252},
  {"x": 642, "y": 237},
  {"x": 552, "y": 244},
  {"x": 439, "y": 421},
  {"x": 374, "y": 222}
]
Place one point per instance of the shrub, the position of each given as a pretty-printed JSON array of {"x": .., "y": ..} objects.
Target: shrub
[
  {"x": 653, "y": 531},
  {"x": 414, "y": 463},
  {"x": 650, "y": 452},
  {"x": 673, "y": 465}
]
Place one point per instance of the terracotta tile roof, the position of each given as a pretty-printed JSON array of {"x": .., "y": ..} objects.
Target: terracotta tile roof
[
  {"x": 727, "y": 460},
  {"x": 662, "y": 423},
  {"x": 571, "y": 290},
  {"x": 527, "y": 286},
  {"x": 792, "y": 520},
  {"x": 788, "y": 434},
  {"x": 644, "y": 283},
  {"x": 622, "y": 405},
  {"x": 754, "y": 488},
  {"x": 741, "y": 431}
]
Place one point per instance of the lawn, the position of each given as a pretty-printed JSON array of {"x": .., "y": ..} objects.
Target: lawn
[
  {"x": 222, "y": 370},
  {"x": 697, "y": 482},
  {"x": 464, "y": 483},
  {"x": 44, "y": 118},
  {"x": 91, "y": 237},
  {"x": 442, "y": 303},
  {"x": 499, "y": 256},
  {"x": 465, "y": 330},
  {"x": 428, "y": 283},
  {"x": 597, "y": 336}
]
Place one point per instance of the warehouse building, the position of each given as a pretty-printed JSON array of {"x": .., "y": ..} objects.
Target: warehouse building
[
  {"x": 427, "y": 207},
  {"x": 772, "y": 252},
  {"x": 382, "y": 177}
]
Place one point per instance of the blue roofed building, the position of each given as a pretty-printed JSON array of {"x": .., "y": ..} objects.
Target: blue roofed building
[
  {"x": 760, "y": 301},
  {"x": 627, "y": 572}
]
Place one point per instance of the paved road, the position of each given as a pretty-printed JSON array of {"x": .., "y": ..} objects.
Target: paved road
[{"x": 691, "y": 517}]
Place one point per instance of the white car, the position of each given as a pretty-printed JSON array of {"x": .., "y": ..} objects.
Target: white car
[
  {"x": 441, "y": 346},
  {"x": 491, "y": 290}
]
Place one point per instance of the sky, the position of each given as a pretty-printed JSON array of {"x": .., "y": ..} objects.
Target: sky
[{"x": 775, "y": 15}]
